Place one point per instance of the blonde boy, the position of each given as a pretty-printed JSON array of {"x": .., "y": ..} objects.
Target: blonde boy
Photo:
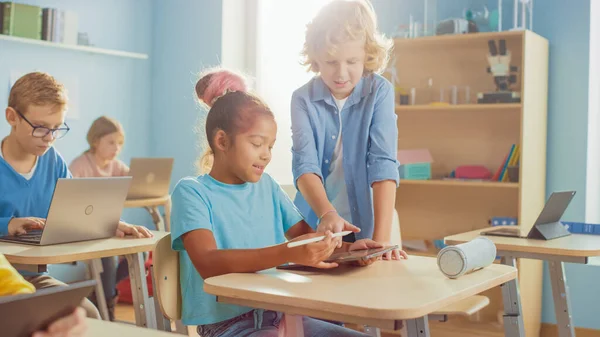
[{"x": 344, "y": 125}]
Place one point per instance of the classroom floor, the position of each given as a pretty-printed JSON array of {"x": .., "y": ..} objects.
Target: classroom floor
[{"x": 124, "y": 312}]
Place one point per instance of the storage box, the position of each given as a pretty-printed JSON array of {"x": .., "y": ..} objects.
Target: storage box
[{"x": 415, "y": 164}]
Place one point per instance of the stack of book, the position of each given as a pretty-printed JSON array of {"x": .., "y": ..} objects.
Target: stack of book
[
  {"x": 511, "y": 159},
  {"x": 38, "y": 23}
]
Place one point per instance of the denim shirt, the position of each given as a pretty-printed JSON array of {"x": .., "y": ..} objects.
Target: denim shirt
[{"x": 369, "y": 137}]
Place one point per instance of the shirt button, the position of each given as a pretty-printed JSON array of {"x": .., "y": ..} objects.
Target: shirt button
[
  {"x": 332, "y": 137},
  {"x": 326, "y": 161}
]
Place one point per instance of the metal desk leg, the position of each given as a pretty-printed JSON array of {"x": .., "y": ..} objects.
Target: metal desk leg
[
  {"x": 96, "y": 270},
  {"x": 418, "y": 327},
  {"x": 144, "y": 312},
  {"x": 371, "y": 331},
  {"x": 562, "y": 304},
  {"x": 293, "y": 326},
  {"x": 513, "y": 318},
  {"x": 156, "y": 218}
]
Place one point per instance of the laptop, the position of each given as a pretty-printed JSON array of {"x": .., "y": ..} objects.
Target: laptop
[
  {"x": 81, "y": 209},
  {"x": 548, "y": 225},
  {"x": 28, "y": 313},
  {"x": 151, "y": 177}
]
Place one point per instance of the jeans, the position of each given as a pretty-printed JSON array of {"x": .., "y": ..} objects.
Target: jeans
[{"x": 257, "y": 323}]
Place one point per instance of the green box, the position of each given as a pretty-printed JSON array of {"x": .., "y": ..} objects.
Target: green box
[{"x": 416, "y": 171}]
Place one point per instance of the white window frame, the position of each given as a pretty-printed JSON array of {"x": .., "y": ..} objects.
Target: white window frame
[{"x": 592, "y": 197}]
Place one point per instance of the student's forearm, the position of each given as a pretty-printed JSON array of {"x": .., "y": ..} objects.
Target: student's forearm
[
  {"x": 384, "y": 200},
  {"x": 4, "y": 225},
  {"x": 313, "y": 191},
  {"x": 217, "y": 262}
]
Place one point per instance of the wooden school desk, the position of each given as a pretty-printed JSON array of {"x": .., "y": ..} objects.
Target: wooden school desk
[
  {"x": 575, "y": 248},
  {"x": 384, "y": 295},
  {"x": 37, "y": 258},
  {"x": 151, "y": 205},
  {"x": 98, "y": 328}
]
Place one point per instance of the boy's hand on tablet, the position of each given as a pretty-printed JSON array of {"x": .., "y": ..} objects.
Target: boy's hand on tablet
[
  {"x": 20, "y": 226},
  {"x": 362, "y": 245},
  {"x": 131, "y": 230},
  {"x": 396, "y": 254},
  {"x": 333, "y": 222},
  {"x": 313, "y": 254},
  {"x": 73, "y": 325}
]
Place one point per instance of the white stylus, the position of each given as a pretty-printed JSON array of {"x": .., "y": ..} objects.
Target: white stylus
[{"x": 315, "y": 239}]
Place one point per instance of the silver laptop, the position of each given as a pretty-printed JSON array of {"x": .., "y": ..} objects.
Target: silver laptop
[
  {"x": 81, "y": 209},
  {"x": 151, "y": 177}
]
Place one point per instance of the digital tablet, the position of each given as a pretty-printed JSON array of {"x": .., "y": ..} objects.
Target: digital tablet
[
  {"x": 344, "y": 257},
  {"x": 28, "y": 313},
  {"x": 357, "y": 255}
]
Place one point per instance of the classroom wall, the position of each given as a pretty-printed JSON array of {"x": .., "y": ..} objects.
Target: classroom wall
[
  {"x": 186, "y": 39},
  {"x": 566, "y": 25},
  {"x": 114, "y": 86}
]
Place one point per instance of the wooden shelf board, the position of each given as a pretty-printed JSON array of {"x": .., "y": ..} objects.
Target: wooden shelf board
[
  {"x": 87, "y": 49},
  {"x": 456, "y": 38},
  {"x": 459, "y": 183},
  {"x": 459, "y": 107}
]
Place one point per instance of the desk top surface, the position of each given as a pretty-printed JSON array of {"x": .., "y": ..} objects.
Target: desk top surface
[
  {"x": 577, "y": 245},
  {"x": 388, "y": 290},
  {"x": 98, "y": 328},
  {"x": 77, "y": 251},
  {"x": 146, "y": 202}
]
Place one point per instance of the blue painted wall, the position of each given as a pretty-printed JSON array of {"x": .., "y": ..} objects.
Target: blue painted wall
[
  {"x": 108, "y": 85},
  {"x": 566, "y": 25},
  {"x": 186, "y": 39}
]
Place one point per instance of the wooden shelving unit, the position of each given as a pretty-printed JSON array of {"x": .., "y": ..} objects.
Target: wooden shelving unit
[
  {"x": 478, "y": 134},
  {"x": 86, "y": 49}
]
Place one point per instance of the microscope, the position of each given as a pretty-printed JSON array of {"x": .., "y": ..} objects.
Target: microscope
[{"x": 499, "y": 61}]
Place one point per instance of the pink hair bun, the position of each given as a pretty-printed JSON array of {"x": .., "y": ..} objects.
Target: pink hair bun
[{"x": 215, "y": 84}]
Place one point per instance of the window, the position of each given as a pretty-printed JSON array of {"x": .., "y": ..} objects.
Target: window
[
  {"x": 592, "y": 198},
  {"x": 280, "y": 28}
]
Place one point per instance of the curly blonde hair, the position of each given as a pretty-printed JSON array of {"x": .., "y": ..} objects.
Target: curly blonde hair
[{"x": 346, "y": 20}]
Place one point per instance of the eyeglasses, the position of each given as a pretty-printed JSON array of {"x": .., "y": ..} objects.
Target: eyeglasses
[{"x": 42, "y": 131}]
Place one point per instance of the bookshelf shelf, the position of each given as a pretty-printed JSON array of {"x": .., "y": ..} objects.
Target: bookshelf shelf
[
  {"x": 454, "y": 40},
  {"x": 460, "y": 183},
  {"x": 474, "y": 134},
  {"x": 458, "y": 107},
  {"x": 86, "y": 49}
]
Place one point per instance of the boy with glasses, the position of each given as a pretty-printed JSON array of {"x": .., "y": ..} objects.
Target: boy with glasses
[{"x": 30, "y": 166}]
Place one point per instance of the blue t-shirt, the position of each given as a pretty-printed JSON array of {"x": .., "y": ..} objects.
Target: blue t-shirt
[
  {"x": 246, "y": 216},
  {"x": 20, "y": 197}
]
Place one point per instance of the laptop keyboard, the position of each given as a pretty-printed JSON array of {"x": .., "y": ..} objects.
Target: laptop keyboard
[{"x": 31, "y": 236}]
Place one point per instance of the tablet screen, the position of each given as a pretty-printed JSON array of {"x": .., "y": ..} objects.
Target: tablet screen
[
  {"x": 31, "y": 312},
  {"x": 359, "y": 254}
]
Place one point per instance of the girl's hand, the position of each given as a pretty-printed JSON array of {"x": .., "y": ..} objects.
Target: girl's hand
[
  {"x": 396, "y": 254},
  {"x": 137, "y": 232},
  {"x": 313, "y": 254},
  {"x": 363, "y": 245},
  {"x": 334, "y": 223}
]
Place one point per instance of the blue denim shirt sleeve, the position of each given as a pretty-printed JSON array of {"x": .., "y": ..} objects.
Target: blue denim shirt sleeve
[
  {"x": 383, "y": 138},
  {"x": 304, "y": 150}
]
